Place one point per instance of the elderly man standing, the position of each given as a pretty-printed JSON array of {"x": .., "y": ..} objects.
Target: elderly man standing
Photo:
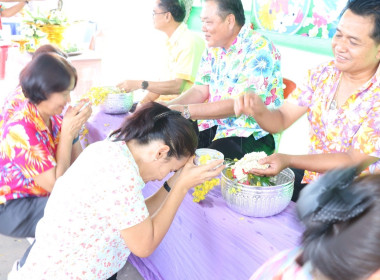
[
  {"x": 185, "y": 50},
  {"x": 238, "y": 60}
]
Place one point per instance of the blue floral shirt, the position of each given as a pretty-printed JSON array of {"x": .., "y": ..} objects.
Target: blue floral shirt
[{"x": 252, "y": 62}]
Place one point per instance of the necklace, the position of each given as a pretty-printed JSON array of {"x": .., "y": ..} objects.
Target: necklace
[{"x": 334, "y": 104}]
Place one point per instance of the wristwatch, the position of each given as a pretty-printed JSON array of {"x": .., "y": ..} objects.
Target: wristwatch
[
  {"x": 186, "y": 112},
  {"x": 144, "y": 85}
]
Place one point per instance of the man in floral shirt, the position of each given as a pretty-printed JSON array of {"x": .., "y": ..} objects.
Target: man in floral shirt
[
  {"x": 341, "y": 99},
  {"x": 238, "y": 60}
]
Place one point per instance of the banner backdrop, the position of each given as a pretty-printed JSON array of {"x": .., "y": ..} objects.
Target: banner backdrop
[{"x": 303, "y": 24}]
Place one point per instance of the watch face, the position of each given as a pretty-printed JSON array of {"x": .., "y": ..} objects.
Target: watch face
[{"x": 144, "y": 85}]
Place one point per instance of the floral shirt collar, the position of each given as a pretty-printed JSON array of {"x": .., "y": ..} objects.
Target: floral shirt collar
[
  {"x": 176, "y": 34},
  {"x": 239, "y": 40}
]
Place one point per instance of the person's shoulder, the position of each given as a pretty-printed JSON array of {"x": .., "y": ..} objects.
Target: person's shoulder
[{"x": 190, "y": 36}]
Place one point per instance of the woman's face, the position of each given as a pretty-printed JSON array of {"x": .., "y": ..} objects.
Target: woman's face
[
  {"x": 354, "y": 50},
  {"x": 166, "y": 165},
  {"x": 56, "y": 102}
]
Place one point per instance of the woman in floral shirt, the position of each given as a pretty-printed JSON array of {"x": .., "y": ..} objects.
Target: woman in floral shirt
[
  {"x": 96, "y": 215},
  {"x": 37, "y": 145},
  {"x": 341, "y": 99}
]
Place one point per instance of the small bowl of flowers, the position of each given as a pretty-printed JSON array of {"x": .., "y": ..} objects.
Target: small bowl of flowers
[
  {"x": 111, "y": 99},
  {"x": 205, "y": 156},
  {"x": 252, "y": 195}
]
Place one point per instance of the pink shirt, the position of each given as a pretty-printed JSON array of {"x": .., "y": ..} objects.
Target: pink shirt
[
  {"x": 284, "y": 266},
  {"x": 354, "y": 125},
  {"x": 27, "y": 149}
]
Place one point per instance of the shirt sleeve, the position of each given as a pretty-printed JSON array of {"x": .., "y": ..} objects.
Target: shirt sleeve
[
  {"x": 367, "y": 138},
  {"x": 204, "y": 71},
  {"x": 312, "y": 84}
]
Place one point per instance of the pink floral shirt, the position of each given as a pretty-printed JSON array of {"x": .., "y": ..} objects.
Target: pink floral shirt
[
  {"x": 252, "y": 62},
  {"x": 79, "y": 235},
  {"x": 284, "y": 266},
  {"x": 27, "y": 148},
  {"x": 354, "y": 125}
]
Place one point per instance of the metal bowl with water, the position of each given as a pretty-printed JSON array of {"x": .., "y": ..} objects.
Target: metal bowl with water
[{"x": 256, "y": 201}]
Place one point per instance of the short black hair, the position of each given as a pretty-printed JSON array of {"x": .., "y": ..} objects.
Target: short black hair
[
  {"x": 175, "y": 7},
  {"x": 234, "y": 7},
  {"x": 47, "y": 73},
  {"x": 153, "y": 121},
  {"x": 366, "y": 8},
  {"x": 49, "y": 48}
]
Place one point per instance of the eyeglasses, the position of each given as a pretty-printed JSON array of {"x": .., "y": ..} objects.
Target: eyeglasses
[{"x": 154, "y": 13}]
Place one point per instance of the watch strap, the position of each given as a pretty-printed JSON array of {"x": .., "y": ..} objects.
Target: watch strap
[
  {"x": 166, "y": 186},
  {"x": 144, "y": 84}
]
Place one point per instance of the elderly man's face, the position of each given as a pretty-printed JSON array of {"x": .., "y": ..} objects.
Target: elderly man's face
[
  {"x": 217, "y": 31},
  {"x": 354, "y": 50}
]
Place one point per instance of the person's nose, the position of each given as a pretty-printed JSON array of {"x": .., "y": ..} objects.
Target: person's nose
[
  {"x": 341, "y": 46},
  {"x": 204, "y": 29}
]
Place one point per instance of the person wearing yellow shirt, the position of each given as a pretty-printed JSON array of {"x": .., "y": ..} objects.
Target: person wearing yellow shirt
[{"x": 184, "y": 47}]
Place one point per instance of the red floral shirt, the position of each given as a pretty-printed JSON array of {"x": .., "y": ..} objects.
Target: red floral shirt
[{"x": 27, "y": 149}]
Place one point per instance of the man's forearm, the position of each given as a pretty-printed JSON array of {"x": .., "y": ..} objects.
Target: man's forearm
[
  {"x": 166, "y": 87},
  {"x": 214, "y": 110},
  {"x": 195, "y": 94},
  {"x": 323, "y": 162}
]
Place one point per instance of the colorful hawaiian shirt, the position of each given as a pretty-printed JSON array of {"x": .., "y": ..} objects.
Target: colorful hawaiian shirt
[
  {"x": 27, "y": 148},
  {"x": 251, "y": 63},
  {"x": 79, "y": 235},
  {"x": 354, "y": 125},
  {"x": 10, "y": 104},
  {"x": 284, "y": 266}
]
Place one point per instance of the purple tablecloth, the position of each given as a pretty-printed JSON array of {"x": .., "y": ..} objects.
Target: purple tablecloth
[
  {"x": 207, "y": 240},
  {"x": 210, "y": 241},
  {"x": 99, "y": 126}
]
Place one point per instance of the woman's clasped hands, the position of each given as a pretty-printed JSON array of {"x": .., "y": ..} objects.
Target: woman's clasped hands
[
  {"x": 75, "y": 117},
  {"x": 192, "y": 175}
]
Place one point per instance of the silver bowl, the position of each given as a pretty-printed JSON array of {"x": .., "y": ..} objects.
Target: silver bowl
[
  {"x": 214, "y": 155},
  {"x": 117, "y": 103},
  {"x": 259, "y": 201}
]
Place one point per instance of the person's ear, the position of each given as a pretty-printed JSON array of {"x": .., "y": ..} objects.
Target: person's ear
[
  {"x": 162, "y": 152},
  {"x": 230, "y": 20},
  {"x": 168, "y": 16}
]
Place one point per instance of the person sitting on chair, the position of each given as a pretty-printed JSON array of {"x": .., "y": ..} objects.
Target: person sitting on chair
[
  {"x": 184, "y": 47},
  {"x": 341, "y": 99}
]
